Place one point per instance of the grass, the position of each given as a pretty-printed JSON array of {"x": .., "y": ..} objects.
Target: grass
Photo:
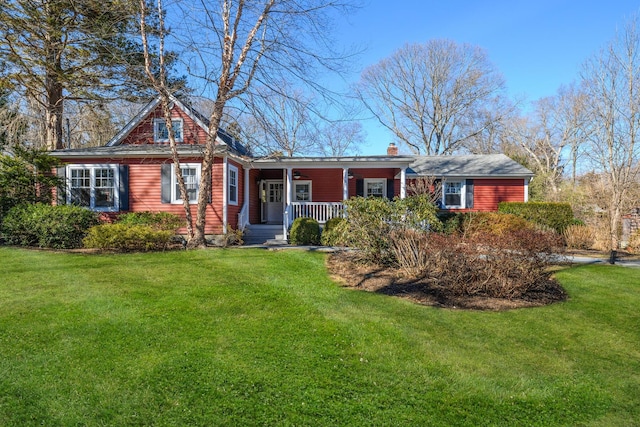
[{"x": 248, "y": 337}]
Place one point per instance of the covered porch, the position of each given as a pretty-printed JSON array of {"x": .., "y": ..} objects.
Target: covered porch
[{"x": 278, "y": 190}]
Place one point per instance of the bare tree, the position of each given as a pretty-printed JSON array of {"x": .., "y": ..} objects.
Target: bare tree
[
  {"x": 157, "y": 74},
  {"x": 229, "y": 44},
  {"x": 612, "y": 87},
  {"x": 285, "y": 119},
  {"x": 340, "y": 138},
  {"x": 431, "y": 95},
  {"x": 552, "y": 129}
]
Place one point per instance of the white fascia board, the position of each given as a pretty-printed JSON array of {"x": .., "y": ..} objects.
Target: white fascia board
[{"x": 137, "y": 119}]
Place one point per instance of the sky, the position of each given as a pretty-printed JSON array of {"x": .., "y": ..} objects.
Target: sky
[{"x": 538, "y": 45}]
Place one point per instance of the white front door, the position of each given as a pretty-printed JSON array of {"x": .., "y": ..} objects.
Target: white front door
[{"x": 274, "y": 207}]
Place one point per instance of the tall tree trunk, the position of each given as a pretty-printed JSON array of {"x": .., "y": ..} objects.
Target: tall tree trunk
[{"x": 53, "y": 115}]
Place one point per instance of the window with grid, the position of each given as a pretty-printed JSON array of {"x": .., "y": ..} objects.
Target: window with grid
[
  {"x": 104, "y": 180},
  {"x": 191, "y": 177},
  {"x": 453, "y": 194},
  {"x": 233, "y": 185},
  {"x": 161, "y": 133},
  {"x": 80, "y": 187},
  {"x": 375, "y": 187}
]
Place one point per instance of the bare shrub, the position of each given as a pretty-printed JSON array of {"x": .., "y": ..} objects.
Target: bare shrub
[
  {"x": 579, "y": 237},
  {"x": 485, "y": 264},
  {"x": 493, "y": 223}
]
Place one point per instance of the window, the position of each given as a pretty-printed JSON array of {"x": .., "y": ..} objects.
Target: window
[
  {"x": 232, "y": 178},
  {"x": 161, "y": 133},
  {"x": 302, "y": 191},
  {"x": 191, "y": 176},
  {"x": 375, "y": 187},
  {"x": 93, "y": 186},
  {"x": 454, "y": 194}
]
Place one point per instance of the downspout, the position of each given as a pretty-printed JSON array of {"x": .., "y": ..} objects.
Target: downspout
[
  {"x": 287, "y": 219},
  {"x": 225, "y": 203}
]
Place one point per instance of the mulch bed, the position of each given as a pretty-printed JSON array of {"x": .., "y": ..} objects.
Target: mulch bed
[{"x": 348, "y": 270}]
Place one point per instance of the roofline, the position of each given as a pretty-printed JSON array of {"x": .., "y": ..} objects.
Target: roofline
[
  {"x": 468, "y": 176},
  {"x": 150, "y": 152},
  {"x": 378, "y": 162}
]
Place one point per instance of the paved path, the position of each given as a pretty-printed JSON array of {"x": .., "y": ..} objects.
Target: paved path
[{"x": 589, "y": 260}]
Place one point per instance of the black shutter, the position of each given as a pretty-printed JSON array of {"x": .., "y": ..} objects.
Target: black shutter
[
  {"x": 61, "y": 190},
  {"x": 391, "y": 188},
  {"x": 360, "y": 187},
  {"x": 165, "y": 182},
  {"x": 123, "y": 190},
  {"x": 469, "y": 194}
]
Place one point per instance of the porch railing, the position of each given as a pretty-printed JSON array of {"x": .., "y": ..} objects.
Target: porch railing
[{"x": 320, "y": 211}]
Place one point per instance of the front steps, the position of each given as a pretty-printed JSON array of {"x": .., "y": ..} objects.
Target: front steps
[{"x": 264, "y": 234}]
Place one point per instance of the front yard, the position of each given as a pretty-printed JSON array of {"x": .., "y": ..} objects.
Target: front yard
[{"x": 249, "y": 337}]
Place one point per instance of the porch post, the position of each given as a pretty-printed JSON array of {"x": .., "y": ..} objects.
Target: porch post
[
  {"x": 345, "y": 183},
  {"x": 403, "y": 183},
  {"x": 287, "y": 214},
  {"x": 526, "y": 190},
  {"x": 225, "y": 208}
]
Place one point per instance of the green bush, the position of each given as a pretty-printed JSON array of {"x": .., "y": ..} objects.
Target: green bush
[
  {"x": 371, "y": 220},
  {"x": 127, "y": 237},
  {"x": 557, "y": 216},
  {"x": 46, "y": 226},
  {"x": 157, "y": 220},
  {"x": 333, "y": 233},
  {"x": 305, "y": 231}
]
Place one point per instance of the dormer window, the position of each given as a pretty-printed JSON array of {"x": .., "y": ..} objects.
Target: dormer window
[{"x": 161, "y": 133}]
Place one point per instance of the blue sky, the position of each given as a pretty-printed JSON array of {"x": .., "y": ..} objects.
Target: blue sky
[{"x": 538, "y": 45}]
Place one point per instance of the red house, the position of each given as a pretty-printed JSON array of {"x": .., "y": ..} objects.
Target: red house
[{"x": 134, "y": 172}]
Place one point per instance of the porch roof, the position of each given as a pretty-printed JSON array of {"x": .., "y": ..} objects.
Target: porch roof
[{"x": 378, "y": 162}]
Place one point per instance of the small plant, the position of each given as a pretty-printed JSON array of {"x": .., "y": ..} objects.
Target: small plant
[
  {"x": 305, "y": 231},
  {"x": 46, "y": 226},
  {"x": 233, "y": 237},
  {"x": 579, "y": 237},
  {"x": 334, "y": 232},
  {"x": 634, "y": 242}
]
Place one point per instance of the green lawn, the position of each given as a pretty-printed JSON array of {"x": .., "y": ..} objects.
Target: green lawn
[{"x": 249, "y": 337}]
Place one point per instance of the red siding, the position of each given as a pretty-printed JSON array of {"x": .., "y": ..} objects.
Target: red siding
[{"x": 489, "y": 192}]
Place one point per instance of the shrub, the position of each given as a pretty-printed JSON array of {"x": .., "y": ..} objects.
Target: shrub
[
  {"x": 305, "y": 231},
  {"x": 579, "y": 237},
  {"x": 634, "y": 242},
  {"x": 157, "y": 220},
  {"x": 127, "y": 237},
  {"x": 485, "y": 264},
  {"x": 46, "y": 226},
  {"x": 554, "y": 215},
  {"x": 334, "y": 232},
  {"x": 370, "y": 222},
  {"x": 492, "y": 223}
]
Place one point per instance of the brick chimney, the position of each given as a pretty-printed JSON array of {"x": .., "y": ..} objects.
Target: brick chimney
[{"x": 392, "y": 150}]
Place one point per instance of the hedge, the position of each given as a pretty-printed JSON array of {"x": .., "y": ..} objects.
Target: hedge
[
  {"x": 557, "y": 216},
  {"x": 305, "y": 231}
]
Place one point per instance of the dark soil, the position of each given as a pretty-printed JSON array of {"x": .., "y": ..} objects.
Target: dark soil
[{"x": 345, "y": 268}]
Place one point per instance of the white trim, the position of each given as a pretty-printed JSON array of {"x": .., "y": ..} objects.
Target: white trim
[
  {"x": 403, "y": 183},
  {"x": 345, "y": 183},
  {"x": 92, "y": 184},
  {"x": 234, "y": 169},
  {"x": 134, "y": 122},
  {"x": 175, "y": 194},
  {"x": 373, "y": 181},
  {"x": 157, "y": 122},
  {"x": 526, "y": 189},
  {"x": 463, "y": 193},
  {"x": 295, "y": 192},
  {"x": 225, "y": 193}
]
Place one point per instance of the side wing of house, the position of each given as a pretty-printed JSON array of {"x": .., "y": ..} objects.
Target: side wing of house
[
  {"x": 475, "y": 182},
  {"x": 135, "y": 172}
]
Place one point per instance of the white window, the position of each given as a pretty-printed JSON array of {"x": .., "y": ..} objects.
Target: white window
[
  {"x": 232, "y": 179},
  {"x": 375, "y": 187},
  {"x": 302, "y": 191},
  {"x": 191, "y": 176},
  {"x": 93, "y": 186},
  {"x": 161, "y": 133},
  {"x": 454, "y": 194}
]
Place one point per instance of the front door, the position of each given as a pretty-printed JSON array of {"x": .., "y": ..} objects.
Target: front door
[{"x": 273, "y": 208}]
